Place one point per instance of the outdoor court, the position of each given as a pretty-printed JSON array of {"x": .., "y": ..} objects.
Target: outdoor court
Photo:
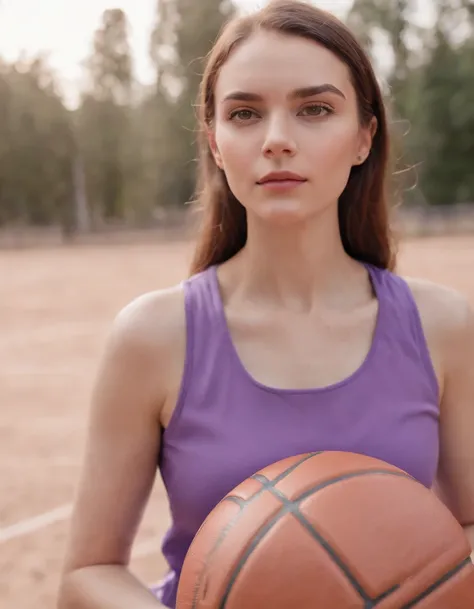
[{"x": 56, "y": 306}]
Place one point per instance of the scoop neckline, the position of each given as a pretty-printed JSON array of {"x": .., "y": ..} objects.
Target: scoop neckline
[{"x": 309, "y": 390}]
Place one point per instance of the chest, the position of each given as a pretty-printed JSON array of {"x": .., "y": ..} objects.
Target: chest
[
  {"x": 254, "y": 428},
  {"x": 302, "y": 351}
]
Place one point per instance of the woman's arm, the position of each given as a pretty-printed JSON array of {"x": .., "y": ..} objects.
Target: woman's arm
[
  {"x": 456, "y": 467},
  {"x": 105, "y": 587},
  {"x": 121, "y": 457}
]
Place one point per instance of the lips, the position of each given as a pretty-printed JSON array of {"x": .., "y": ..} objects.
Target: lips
[{"x": 281, "y": 176}]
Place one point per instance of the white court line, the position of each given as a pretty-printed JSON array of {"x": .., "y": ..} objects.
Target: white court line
[{"x": 30, "y": 525}]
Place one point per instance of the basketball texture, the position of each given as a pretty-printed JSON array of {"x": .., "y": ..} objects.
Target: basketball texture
[{"x": 329, "y": 530}]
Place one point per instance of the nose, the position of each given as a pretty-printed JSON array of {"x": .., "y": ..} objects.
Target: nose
[{"x": 279, "y": 139}]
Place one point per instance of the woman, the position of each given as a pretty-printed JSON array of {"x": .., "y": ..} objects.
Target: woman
[{"x": 293, "y": 333}]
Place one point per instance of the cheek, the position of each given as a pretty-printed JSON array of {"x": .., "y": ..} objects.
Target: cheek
[
  {"x": 335, "y": 145},
  {"x": 333, "y": 152},
  {"x": 238, "y": 155}
]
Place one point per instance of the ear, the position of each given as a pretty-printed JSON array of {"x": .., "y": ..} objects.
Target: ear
[
  {"x": 365, "y": 141},
  {"x": 213, "y": 147}
]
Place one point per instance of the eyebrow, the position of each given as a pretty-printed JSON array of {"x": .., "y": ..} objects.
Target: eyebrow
[{"x": 296, "y": 94}]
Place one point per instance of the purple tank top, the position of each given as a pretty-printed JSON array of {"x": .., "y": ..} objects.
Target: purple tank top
[{"x": 226, "y": 425}]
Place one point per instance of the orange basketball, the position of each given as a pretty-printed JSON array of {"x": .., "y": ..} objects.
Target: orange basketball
[{"x": 329, "y": 530}]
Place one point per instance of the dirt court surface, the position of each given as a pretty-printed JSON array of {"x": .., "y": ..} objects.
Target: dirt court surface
[{"x": 56, "y": 306}]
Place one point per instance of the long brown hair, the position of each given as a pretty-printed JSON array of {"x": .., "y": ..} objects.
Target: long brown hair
[{"x": 363, "y": 206}]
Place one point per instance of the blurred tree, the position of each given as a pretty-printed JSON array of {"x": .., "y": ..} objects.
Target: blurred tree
[
  {"x": 128, "y": 152},
  {"x": 430, "y": 90},
  {"x": 391, "y": 23},
  {"x": 103, "y": 119},
  {"x": 184, "y": 33},
  {"x": 448, "y": 125},
  {"x": 110, "y": 65},
  {"x": 36, "y": 147}
]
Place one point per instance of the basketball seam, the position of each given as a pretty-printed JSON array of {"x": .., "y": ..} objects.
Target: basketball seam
[
  {"x": 293, "y": 508},
  {"x": 242, "y": 503},
  {"x": 446, "y": 577},
  {"x": 268, "y": 485}
]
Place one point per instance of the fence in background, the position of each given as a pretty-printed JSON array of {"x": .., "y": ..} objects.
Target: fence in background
[{"x": 423, "y": 221}]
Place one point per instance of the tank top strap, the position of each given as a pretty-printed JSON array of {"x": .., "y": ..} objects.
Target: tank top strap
[
  {"x": 205, "y": 339},
  {"x": 202, "y": 300},
  {"x": 400, "y": 317}
]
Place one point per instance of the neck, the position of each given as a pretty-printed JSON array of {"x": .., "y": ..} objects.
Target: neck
[{"x": 296, "y": 264}]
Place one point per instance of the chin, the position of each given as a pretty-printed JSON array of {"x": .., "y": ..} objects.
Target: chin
[{"x": 283, "y": 211}]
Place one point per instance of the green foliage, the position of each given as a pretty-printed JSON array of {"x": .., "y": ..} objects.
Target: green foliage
[
  {"x": 36, "y": 147},
  {"x": 126, "y": 152},
  {"x": 110, "y": 65},
  {"x": 103, "y": 120},
  {"x": 183, "y": 36},
  {"x": 431, "y": 86}
]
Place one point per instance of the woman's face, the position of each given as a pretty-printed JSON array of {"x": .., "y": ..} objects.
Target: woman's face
[{"x": 286, "y": 104}]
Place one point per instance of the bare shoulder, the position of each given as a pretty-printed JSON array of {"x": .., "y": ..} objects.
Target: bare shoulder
[
  {"x": 148, "y": 335},
  {"x": 151, "y": 320},
  {"x": 448, "y": 323},
  {"x": 441, "y": 307}
]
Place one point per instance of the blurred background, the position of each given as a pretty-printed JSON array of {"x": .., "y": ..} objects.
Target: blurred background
[
  {"x": 97, "y": 124},
  {"x": 97, "y": 165}
]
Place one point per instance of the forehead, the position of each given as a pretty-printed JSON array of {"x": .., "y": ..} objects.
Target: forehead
[{"x": 271, "y": 63}]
